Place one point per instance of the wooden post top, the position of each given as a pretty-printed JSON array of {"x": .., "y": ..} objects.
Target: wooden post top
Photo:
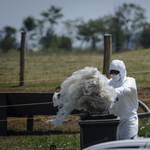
[{"x": 107, "y": 35}]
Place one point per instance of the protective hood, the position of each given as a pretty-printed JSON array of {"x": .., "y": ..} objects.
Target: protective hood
[{"x": 120, "y": 66}]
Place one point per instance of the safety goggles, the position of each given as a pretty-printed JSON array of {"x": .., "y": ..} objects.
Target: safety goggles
[{"x": 114, "y": 72}]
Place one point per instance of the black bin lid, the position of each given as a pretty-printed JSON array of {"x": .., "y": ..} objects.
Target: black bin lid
[{"x": 97, "y": 117}]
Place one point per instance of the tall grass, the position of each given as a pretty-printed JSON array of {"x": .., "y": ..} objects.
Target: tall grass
[
  {"x": 49, "y": 70},
  {"x": 46, "y": 71}
]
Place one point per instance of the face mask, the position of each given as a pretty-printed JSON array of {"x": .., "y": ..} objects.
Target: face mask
[{"x": 115, "y": 77}]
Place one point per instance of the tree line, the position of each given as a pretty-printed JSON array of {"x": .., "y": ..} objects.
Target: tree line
[{"x": 127, "y": 25}]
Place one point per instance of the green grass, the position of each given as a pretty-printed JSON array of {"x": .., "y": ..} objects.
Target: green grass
[
  {"x": 40, "y": 142},
  {"x": 49, "y": 70},
  {"x": 46, "y": 71},
  {"x": 144, "y": 128}
]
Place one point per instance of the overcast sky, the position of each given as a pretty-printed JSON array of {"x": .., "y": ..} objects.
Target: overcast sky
[{"x": 12, "y": 12}]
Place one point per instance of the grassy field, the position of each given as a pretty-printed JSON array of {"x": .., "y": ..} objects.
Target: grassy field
[
  {"x": 44, "y": 72},
  {"x": 65, "y": 141}
]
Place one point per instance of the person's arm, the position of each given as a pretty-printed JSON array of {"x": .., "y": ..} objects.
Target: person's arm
[{"x": 128, "y": 87}]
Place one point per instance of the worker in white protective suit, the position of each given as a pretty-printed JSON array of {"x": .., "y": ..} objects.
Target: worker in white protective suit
[{"x": 126, "y": 103}]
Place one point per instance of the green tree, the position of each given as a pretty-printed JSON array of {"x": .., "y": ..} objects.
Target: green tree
[
  {"x": 39, "y": 30},
  {"x": 63, "y": 42},
  {"x": 51, "y": 16},
  {"x": 132, "y": 18},
  {"x": 145, "y": 36},
  {"x": 70, "y": 28},
  {"x": 29, "y": 25},
  {"x": 8, "y": 39},
  {"x": 91, "y": 32},
  {"x": 113, "y": 26},
  {"x": 126, "y": 22}
]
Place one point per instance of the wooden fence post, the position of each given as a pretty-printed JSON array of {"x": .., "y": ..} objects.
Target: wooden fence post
[
  {"x": 107, "y": 53},
  {"x": 30, "y": 122},
  {"x": 22, "y": 57},
  {"x": 3, "y": 114}
]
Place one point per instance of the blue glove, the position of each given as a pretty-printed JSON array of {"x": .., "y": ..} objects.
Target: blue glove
[{"x": 117, "y": 99}]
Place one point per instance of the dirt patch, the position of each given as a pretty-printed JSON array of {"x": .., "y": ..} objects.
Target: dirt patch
[
  {"x": 71, "y": 124},
  {"x": 144, "y": 95},
  {"x": 43, "y": 123}
]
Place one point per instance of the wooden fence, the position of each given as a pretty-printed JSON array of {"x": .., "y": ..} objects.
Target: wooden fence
[
  {"x": 30, "y": 104},
  {"x": 25, "y": 104}
]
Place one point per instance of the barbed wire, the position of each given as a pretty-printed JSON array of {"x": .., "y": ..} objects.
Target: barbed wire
[
  {"x": 33, "y": 74},
  {"x": 39, "y": 80},
  {"x": 34, "y": 80},
  {"x": 31, "y": 104},
  {"x": 26, "y": 104},
  {"x": 139, "y": 72},
  {"x": 38, "y": 66}
]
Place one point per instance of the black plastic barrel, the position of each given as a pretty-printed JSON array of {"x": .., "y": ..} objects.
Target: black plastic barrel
[{"x": 96, "y": 129}]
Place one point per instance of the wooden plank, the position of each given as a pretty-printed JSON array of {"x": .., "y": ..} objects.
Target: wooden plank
[
  {"x": 3, "y": 114},
  {"x": 30, "y": 104},
  {"x": 22, "y": 104}
]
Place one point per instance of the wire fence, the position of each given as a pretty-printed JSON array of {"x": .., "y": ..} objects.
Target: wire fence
[
  {"x": 48, "y": 71},
  {"x": 39, "y": 80}
]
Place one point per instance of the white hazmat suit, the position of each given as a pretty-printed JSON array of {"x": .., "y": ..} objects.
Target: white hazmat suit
[{"x": 126, "y": 103}]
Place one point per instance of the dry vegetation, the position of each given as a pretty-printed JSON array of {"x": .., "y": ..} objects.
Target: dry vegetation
[{"x": 44, "y": 72}]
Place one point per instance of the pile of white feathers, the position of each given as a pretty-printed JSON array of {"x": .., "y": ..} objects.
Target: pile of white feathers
[{"x": 86, "y": 89}]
